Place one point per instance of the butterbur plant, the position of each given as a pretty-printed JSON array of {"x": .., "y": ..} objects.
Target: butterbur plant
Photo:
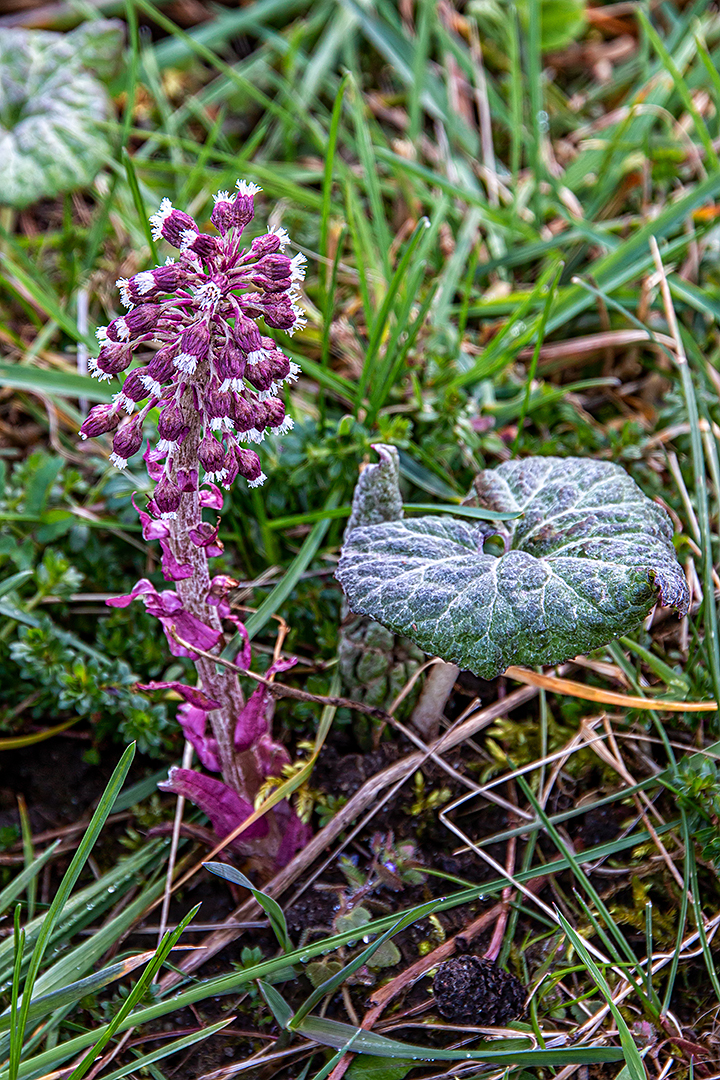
[
  {"x": 215, "y": 378},
  {"x": 583, "y": 558}
]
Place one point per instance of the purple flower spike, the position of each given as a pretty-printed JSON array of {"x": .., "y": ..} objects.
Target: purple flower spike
[
  {"x": 223, "y": 806},
  {"x": 215, "y": 376},
  {"x": 215, "y": 364}
]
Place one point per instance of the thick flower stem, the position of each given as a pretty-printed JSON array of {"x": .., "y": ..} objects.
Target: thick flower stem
[{"x": 239, "y": 770}]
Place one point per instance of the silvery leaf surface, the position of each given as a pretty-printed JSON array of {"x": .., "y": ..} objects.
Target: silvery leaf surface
[
  {"x": 587, "y": 560},
  {"x": 51, "y": 115}
]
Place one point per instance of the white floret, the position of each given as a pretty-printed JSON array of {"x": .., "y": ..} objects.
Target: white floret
[
  {"x": 256, "y": 356},
  {"x": 283, "y": 428},
  {"x": 159, "y": 218},
  {"x": 117, "y": 461},
  {"x": 186, "y": 363},
  {"x": 101, "y": 334},
  {"x": 298, "y": 267},
  {"x": 222, "y": 196},
  {"x": 144, "y": 282},
  {"x": 247, "y": 188},
  {"x": 151, "y": 385},
  {"x": 259, "y": 482},
  {"x": 166, "y": 446},
  {"x": 282, "y": 235},
  {"x": 124, "y": 402},
  {"x": 123, "y": 285}
]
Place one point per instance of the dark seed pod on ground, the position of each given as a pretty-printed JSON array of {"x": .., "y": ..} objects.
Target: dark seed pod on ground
[{"x": 475, "y": 991}]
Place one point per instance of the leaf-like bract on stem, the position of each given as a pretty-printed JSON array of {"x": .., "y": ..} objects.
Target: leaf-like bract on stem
[{"x": 585, "y": 562}]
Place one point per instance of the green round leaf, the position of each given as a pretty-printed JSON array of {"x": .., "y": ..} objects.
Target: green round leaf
[
  {"x": 51, "y": 115},
  {"x": 587, "y": 559}
]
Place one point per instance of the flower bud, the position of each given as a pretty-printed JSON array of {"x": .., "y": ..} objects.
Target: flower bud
[
  {"x": 230, "y": 365},
  {"x": 279, "y": 312},
  {"x": 249, "y": 467},
  {"x": 126, "y": 442},
  {"x": 247, "y": 335},
  {"x": 167, "y": 497},
  {"x": 265, "y": 245},
  {"x": 211, "y": 454},
  {"x": 112, "y": 359},
  {"x": 243, "y": 414},
  {"x": 244, "y": 205},
  {"x": 260, "y": 376},
  {"x": 118, "y": 330},
  {"x": 202, "y": 245},
  {"x": 194, "y": 347},
  {"x": 279, "y": 366},
  {"x": 222, "y": 216},
  {"x": 172, "y": 225},
  {"x": 274, "y": 412},
  {"x": 171, "y": 423},
  {"x": 218, "y": 404},
  {"x": 100, "y": 419},
  {"x": 134, "y": 388},
  {"x": 276, "y": 267},
  {"x": 143, "y": 318}
]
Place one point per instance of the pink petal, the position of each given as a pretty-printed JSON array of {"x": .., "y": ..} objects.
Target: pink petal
[
  {"x": 223, "y": 806},
  {"x": 154, "y": 462}
]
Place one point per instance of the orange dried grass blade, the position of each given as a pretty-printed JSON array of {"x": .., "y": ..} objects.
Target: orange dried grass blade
[{"x": 605, "y": 697}]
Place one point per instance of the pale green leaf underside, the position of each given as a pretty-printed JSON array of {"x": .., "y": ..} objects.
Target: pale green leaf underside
[
  {"x": 52, "y": 111},
  {"x": 585, "y": 562}
]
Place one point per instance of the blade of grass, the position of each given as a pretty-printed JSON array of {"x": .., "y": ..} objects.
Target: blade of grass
[
  {"x": 139, "y": 203},
  {"x": 66, "y": 886},
  {"x": 536, "y": 355},
  {"x": 633, "y": 1061},
  {"x": 271, "y": 907}
]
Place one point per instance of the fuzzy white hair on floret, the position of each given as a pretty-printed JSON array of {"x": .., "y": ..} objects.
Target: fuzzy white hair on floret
[
  {"x": 101, "y": 334},
  {"x": 117, "y": 461},
  {"x": 123, "y": 285},
  {"x": 282, "y": 235},
  {"x": 221, "y": 196},
  {"x": 258, "y": 482},
  {"x": 159, "y": 218},
  {"x": 247, "y": 188},
  {"x": 297, "y": 267},
  {"x": 144, "y": 282}
]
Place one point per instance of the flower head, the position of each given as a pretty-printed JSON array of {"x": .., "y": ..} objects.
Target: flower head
[{"x": 216, "y": 368}]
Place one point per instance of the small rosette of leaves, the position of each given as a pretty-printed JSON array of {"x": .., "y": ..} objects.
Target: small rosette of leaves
[
  {"x": 52, "y": 108},
  {"x": 585, "y": 560}
]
